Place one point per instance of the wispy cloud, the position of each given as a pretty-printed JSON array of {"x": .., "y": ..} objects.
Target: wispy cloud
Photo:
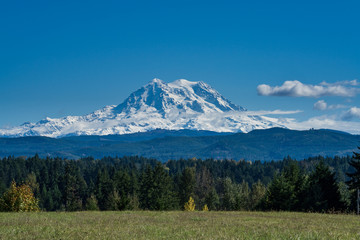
[
  {"x": 321, "y": 105},
  {"x": 274, "y": 112},
  {"x": 343, "y": 83},
  {"x": 324, "y": 122},
  {"x": 296, "y": 88}
]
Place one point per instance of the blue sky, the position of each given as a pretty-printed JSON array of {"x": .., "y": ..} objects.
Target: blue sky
[{"x": 63, "y": 58}]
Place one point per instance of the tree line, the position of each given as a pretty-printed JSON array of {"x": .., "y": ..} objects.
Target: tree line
[{"x": 319, "y": 184}]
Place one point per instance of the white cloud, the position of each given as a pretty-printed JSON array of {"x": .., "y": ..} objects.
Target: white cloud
[
  {"x": 296, "y": 88},
  {"x": 353, "y": 112},
  {"x": 324, "y": 122},
  {"x": 320, "y": 105}
]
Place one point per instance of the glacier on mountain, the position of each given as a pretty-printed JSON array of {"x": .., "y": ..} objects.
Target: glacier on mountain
[{"x": 181, "y": 104}]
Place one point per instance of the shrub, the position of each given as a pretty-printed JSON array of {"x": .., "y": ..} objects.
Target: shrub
[
  {"x": 190, "y": 205},
  {"x": 19, "y": 199},
  {"x": 205, "y": 208}
]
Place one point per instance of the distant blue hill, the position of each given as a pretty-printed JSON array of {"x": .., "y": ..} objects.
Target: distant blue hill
[{"x": 264, "y": 145}]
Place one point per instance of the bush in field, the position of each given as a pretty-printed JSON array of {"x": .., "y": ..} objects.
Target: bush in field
[
  {"x": 91, "y": 203},
  {"x": 190, "y": 205},
  {"x": 19, "y": 199},
  {"x": 205, "y": 208}
]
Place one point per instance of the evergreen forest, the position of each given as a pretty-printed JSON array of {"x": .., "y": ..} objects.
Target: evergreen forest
[{"x": 317, "y": 184}]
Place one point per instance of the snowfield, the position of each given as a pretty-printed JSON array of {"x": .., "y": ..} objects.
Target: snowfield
[{"x": 181, "y": 104}]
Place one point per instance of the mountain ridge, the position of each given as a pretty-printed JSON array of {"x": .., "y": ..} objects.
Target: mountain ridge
[
  {"x": 264, "y": 145},
  {"x": 181, "y": 104}
]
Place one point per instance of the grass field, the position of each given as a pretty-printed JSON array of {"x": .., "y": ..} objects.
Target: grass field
[{"x": 178, "y": 225}]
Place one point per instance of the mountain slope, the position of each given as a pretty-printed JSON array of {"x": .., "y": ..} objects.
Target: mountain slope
[
  {"x": 157, "y": 105},
  {"x": 265, "y": 145}
]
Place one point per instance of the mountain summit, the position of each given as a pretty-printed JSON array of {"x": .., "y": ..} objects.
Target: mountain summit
[
  {"x": 177, "y": 97},
  {"x": 181, "y": 104}
]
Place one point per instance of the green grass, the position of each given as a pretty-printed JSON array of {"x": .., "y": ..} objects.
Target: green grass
[{"x": 178, "y": 225}]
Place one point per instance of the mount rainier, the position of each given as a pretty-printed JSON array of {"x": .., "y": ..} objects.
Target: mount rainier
[{"x": 177, "y": 105}]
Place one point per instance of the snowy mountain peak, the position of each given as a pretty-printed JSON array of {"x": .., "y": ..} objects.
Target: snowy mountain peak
[
  {"x": 181, "y": 96},
  {"x": 181, "y": 104},
  {"x": 157, "y": 80}
]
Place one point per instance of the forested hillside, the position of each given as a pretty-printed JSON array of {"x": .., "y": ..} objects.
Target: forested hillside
[{"x": 264, "y": 145}]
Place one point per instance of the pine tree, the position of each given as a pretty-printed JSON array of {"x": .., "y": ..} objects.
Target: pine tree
[
  {"x": 122, "y": 184},
  {"x": 72, "y": 198},
  {"x": 258, "y": 191},
  {"x": 186, "y": 185},
  {"x": 345, "y": 194},
  {"x": 280, "y": 194},
  {"x": 354, "y": 182},
  {"x": 204, "y": 183},
  {"x": 46, "y": 200},
  {"x": 105, "y": 191},
  {"x": 33, "y": 184},
  {"x": 56, "y": 198},
  {"x": 242, "y": 199},
  {"x": 146, "y": 188},
  {"x": 163, "y": 196},
  {"x": 323, "y": 193},
  {"x": 286, "y": 189},
  {"x": 229, "y": 195},
  {"x": 212, "y": 199},
  {"x": 156, "y": 189}
]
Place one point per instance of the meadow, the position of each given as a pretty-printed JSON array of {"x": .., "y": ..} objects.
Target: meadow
[{"x": 178, "y": 225}]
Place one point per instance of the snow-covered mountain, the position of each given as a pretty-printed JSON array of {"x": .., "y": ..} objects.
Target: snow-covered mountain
[{"x": 177, "y": 105}]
